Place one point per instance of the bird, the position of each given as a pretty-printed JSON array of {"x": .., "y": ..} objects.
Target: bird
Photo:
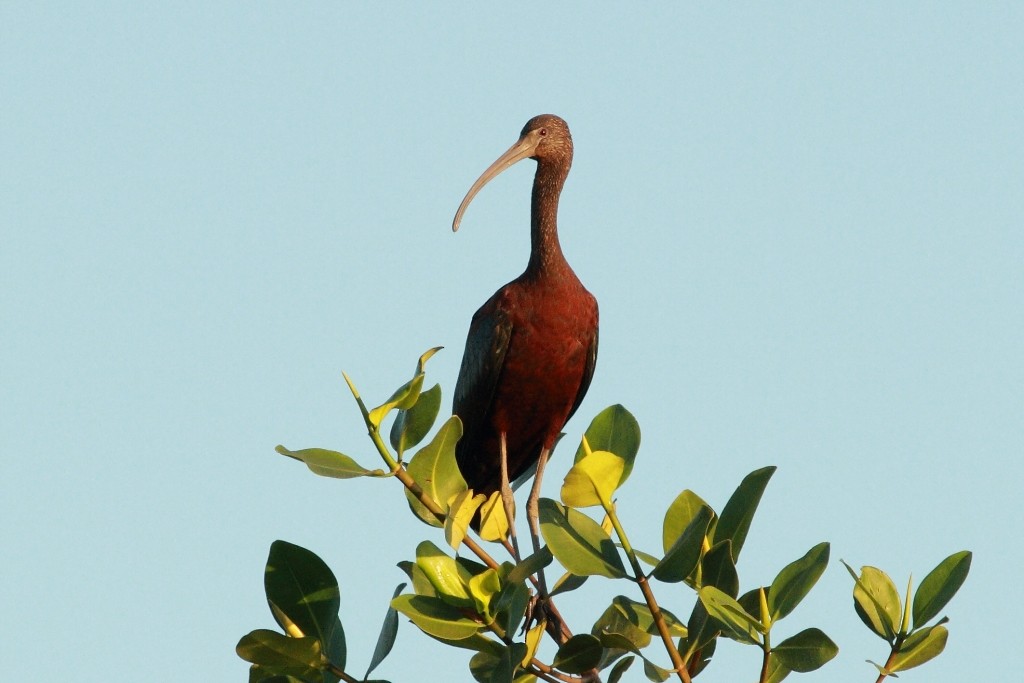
[{"x": 532, "y": 347}]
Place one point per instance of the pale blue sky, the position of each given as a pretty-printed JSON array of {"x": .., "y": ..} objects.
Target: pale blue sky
[{"x": 803, "y": 225}]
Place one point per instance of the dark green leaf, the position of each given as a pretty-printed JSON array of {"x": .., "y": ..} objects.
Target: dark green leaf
[
  {"x": 701, "y": 631},
  {"x": 655, "y": 673},
  {"x": 435, "y": 470},
  {"x": 578, "y": 654},
  {"x": 615, "y": 430},
  {"x": 806, "y": 651},
  {"x": 681, "y": 559},
  {"x": 739, "y": 511},
  {"x": 940, "y": 586},
  {"x": 718, "y": 570},
  {"x": 415, "y": 423},
  {"x": 578, "y": 542},
  {"x": 920, "y": 647},
  {"x": 510, "y": 606},
  {"x": 436, "y": 617},
  {"x": 567, "y": 583},
  {"x": 796, "y": 580},
  {"x": 680, "y": 513},
  {"x": 530, "y": 566},
  {"x": 330, "y": 463},
  {"x": 620, "y": 668},
  {"x": 276, "y": 650},
  {"x": 777, "y": 671},
  {"x": 388, "y": 632},
  {"x": 304, "y": 598}
]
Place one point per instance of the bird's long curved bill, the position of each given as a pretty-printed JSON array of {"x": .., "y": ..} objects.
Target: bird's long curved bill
[{"x": 523, "y": 149}]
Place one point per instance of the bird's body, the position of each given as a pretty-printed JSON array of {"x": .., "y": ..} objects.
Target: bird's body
[{"x": 532, "y": 348}]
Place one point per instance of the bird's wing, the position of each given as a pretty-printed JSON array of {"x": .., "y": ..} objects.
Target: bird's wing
[
  {"x": 486, "y": 346},
  {"x": 588, "y": 373}
]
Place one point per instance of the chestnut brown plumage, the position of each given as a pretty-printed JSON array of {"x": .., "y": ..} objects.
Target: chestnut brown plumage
[{"x": 532, "y": 347}]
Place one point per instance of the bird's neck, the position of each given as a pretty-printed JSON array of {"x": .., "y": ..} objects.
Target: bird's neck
[{"x": 545, "y": 251}]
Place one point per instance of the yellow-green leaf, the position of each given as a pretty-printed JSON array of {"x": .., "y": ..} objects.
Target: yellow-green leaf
[{"x": 593, "y": 480}]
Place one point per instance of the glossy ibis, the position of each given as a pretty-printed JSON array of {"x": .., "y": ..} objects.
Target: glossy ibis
[{"x": 532, "y": 347}]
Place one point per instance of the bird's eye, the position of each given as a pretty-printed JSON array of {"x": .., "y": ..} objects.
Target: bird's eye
[{"x": 542, "y": 132}]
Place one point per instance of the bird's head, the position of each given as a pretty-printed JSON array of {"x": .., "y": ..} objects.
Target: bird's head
[{"x": 545, "y": 138}]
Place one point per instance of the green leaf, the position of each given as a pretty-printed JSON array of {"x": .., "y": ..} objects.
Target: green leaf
[
  {"x": 447, "y": 576},
  {"x": 403, "y": 399},
  {"x": 460, "y": 514},
  {"x": 493, "y": 521},
  {"x": 718, "y": 570},
  {"x": 733, "y": 619},
  {"x": 330, "y": 463},
  {"x": 620, "y": 668},
  {"x": 681, "y": 559},
  {"x": 701, "y": 631},
  {"x": 806, "y": 651},
  {"x": 939, "y": 587},
  {"x": 436, "y": 617},
  {"x": 639, "y": 614},
  {"x": 920, "y": 647},
  {"x": 578, "y": 654},
  {"x": 795, "y": 581},
  {"x": 530, "y": 566},
  {"x": 415, "y": 423},
  {"x": 655, "y": 673},
  {"x": 388, "y": 633},
  {"x": 592, "y": 480},
  {"x": 435, "y": 470},
  {"x": 276, "y": 650},
  {"x": 510, "y": 606},
  {"x": 304, "y": 597},
  {"x": 483, "y": 588},
  {"x": 680, "y": 513},
  {"x": 578, "y": 542},
  {"x": 567, "y": 583},
  {"x": 777, "y": 671},
  {"x": 615, "y": 430},
  {"x": 876, "y": 601},
  {"x": 739, "y": 511}
]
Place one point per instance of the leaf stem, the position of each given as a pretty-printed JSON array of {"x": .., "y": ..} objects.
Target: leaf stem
[{"x": 645, "y": 588}]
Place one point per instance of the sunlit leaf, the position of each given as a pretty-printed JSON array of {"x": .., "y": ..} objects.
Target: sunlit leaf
[
  {"x": 940, "y": 586},
  {"x": 435, "y": 470},
  {"x": 592, "y": 480},
  {"x": 276, "y": 650},
  {"x": 617, "y": 431},
  {"x": 412, "y": 425},
  {"x": 436, "y": 617},
  {"x": 920, "y": 647},
  {"x": 448, "y": 577},
  {"x": 578, "y": 542},
  {"x": 403, "y": 399},
  {"x": 304, "y": 595},
  {"x": 733, "y": 619},
  {"x": 388, "y": 632},
  {"x": 680, "y": 513},
  {"x": 533, "y": 638},
  {"x": 568, "y": 582},
  {"x": 460, "y": 513},
  {"x": 493, "y": 520},
  {"x": 681, "y": 559},
  {"x": 739, "y": 511},
  {"x": 482, "y": 588},
  {"x": 876, "y": 600},
  {"x": 796, "y": 580},
  {"x": 578, "y": 654},
  {"x": 806, "y": 651},
  {"x": 330, "y": 463}
]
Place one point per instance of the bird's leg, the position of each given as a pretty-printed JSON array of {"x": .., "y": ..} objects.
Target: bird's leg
[
  {"x": 532, "y": 512},
  {"x": 507, "y": 500}
]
